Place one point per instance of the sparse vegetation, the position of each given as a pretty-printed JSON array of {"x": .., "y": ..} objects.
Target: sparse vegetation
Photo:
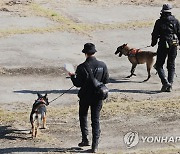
[
  {"x": 110, "y": 109},
  {"x": 13, "y": 31},
  {"x": 39, "y": 69},
  {"x": 66, "y": 24},
  {"x": 13, "y": 116}
]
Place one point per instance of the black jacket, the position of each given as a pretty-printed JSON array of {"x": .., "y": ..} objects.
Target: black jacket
[
  {"x": 82, "y": 78},
  {"x": 164, "y": 28}
]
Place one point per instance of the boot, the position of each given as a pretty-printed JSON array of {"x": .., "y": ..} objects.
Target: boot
[
  {"x": 94, "y": 147},
  {"x": 84, "y": 142},
  {"x": 169, "y": 89},
  {"x": 166, "y": 87}
]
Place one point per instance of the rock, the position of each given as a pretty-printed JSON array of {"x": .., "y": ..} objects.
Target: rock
[
  {"x": 14, "y": 2},
  {"x": 4, "y": 9}
]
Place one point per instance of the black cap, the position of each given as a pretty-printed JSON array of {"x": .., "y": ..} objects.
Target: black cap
[{"x": 89, "y": 48}]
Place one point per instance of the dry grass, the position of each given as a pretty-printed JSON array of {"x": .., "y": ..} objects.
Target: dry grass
[
  {"x": 54, "y": 16},
  {"x": 128, "y": 25},
  {"x": 160, "y": 108},
  {"x": 13, "y": 31},
  {"x": 65, "y": 113},
  {"x": 51, "y": 14},
  {"x": 80, "y": 28},
  {"x": 12, "y": 116},
  {"x": 112, "y": 108},
  {"x": 67, "y": 24}
]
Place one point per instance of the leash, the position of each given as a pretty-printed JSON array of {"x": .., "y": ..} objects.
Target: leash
[
  {"x": 145, "y": 47},
  {"x": 61, "y": 94}
]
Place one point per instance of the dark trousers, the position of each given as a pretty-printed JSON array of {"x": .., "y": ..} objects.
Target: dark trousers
[
  {"x": 95, "y": 106},
  {"x": 162, "y": 53}
]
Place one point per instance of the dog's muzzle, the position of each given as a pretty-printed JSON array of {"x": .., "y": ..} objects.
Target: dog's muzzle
[
  {"x": 120, "y": 54},
  {"x": 116, "y": 52}
]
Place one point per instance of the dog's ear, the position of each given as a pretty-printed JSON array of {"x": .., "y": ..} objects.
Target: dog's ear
[
  {"x": 125, "y": 44},
  {"x": 45, "y": 95},
  {"x": 39, "y": 95}
]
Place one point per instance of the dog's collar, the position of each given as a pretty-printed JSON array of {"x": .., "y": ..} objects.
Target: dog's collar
[{"x": 41, "y": 101}]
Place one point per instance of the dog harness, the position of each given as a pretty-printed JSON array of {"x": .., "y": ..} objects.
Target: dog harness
[
  {"x": 133, "y": 53},
  {"x": 38, "y": 103}
]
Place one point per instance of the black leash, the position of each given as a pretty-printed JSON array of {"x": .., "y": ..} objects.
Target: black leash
[
  {"x": 61, "y": 94},
  {"x": 145, "y": 47}
]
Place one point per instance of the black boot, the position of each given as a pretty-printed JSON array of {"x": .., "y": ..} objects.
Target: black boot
[
  {"x": 166, "y": 87},
  {"x": 84, "y": 142},
  {"x": 94, "y": 147},
  {"x": 169, "y": 88},
  {"x": 164, "y": 81}
]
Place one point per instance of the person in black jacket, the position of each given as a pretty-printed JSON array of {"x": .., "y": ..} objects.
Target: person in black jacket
[
  {"x": 87, "y": 96},
  {"x": 167, "y": 30}
]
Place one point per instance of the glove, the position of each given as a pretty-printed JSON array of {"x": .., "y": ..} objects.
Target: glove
[{"x": 152, "y": 44}]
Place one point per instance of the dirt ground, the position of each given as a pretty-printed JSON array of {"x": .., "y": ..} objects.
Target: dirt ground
[{"x": 37, "y": 37}]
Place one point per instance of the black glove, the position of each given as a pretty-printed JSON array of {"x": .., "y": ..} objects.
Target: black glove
[{"x": 153, "y": 44}]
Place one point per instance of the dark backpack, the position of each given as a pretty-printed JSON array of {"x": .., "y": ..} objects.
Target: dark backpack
[{"x": 168, "y": 32}]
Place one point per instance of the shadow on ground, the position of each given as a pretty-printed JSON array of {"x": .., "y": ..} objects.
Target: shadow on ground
[
  {"x": 34, "y": 150},
  {"x": 136, "y": 91},
  {"x": 6, "y": 132},
  {"x": 73, "y": 91},
  {"x": 124, "y": 80}
]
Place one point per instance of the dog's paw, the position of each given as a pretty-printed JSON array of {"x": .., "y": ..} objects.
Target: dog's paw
[{"x": 44, "y": 127}]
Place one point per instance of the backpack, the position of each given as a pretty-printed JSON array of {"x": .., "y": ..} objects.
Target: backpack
[
  {"x": 101, "y": 91},
  {"x": 168, "y": 31}
]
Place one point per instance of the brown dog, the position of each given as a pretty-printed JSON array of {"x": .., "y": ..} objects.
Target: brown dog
[
  {"x": 38, "y": 113},
  {"x": 136, "y": 56}
]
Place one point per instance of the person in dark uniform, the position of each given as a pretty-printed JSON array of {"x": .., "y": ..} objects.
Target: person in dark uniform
[
  {"x": 167, "y": 30},
  {"x": 86, "y": 94}
]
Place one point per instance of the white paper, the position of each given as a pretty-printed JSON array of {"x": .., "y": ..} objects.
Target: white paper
[{"x": 69, "y": 68}]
